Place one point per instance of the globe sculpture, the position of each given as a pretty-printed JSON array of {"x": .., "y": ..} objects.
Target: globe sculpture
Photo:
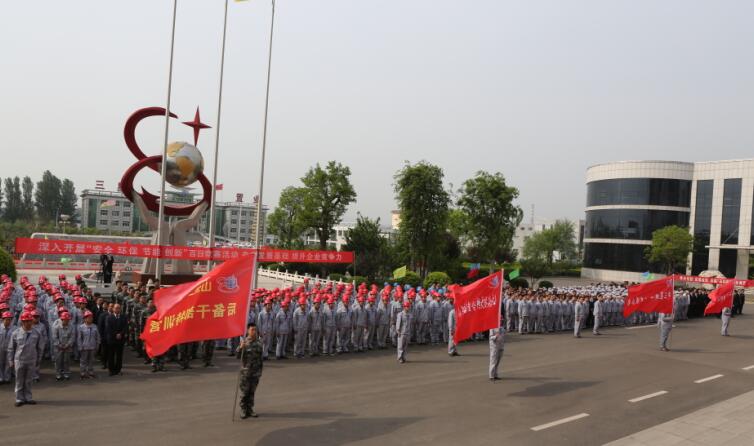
[{"x": 184, "y": 164}]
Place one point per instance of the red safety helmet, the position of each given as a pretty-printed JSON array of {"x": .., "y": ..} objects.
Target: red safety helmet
[
  {"x": 407, "y": 304},
  {"x": 66, "y": 316},
  {"x": 27, "y": 316},
  {"x": 7, "y": 315},
  {"x": 88, "y": 313}
]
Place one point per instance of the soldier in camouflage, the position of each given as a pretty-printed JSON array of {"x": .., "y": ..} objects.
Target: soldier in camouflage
[{"x": 250, "y": 352}]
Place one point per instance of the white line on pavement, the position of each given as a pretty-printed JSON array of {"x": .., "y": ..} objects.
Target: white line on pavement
[
  {"x": 640, "y": 326},
  {"x": 559, "y": 422},
  {"x": 646, "y": 397},
  {"x": 709, "y": 378},
  {"x": 748, "y": 368}
]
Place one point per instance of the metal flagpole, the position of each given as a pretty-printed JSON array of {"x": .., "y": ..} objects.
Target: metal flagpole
[
  {"x": 163, "y": 164},
  {"x": 217, "y": 141},
  {"x": 257, "y": 241}
]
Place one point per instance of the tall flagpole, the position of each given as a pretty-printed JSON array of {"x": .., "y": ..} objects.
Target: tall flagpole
[
  {"x": 163, "y": 164},
  {"x": 258, "y": 235},
  {"x": 217, "y": 141}
]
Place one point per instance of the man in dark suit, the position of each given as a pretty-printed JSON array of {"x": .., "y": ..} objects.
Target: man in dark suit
[
  {"x": 116, "y": 329},
  {"x": 101, "y": 318}
]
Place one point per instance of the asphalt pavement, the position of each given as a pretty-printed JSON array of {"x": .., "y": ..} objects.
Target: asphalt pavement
[{"x": 556, "y": 390}]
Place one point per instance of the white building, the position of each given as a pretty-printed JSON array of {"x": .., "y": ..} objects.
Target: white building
[
  {"x": 338, "y": 235},
  {"x": 627, "y": 201},
  {"x": 526, "y": 230}
]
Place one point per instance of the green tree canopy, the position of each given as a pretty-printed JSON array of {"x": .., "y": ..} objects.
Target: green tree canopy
[
  {"x": 535, "y": 268},
  {"x": 47, "y": 197},
  {"x": 328, "y": 192},
  {"x": 27, "y": 199},
  {"x": 491, "y": 216},
  {"x": 559, "y": 238},
  {"x": 13, "y": 201},
  {"x": 68, "y": 198},
  {"x": 423, "y": 203},
  {"x": 285, "y": 221},
  {"x": 670, "y": 247},
  {"x": 373, "y": 256}
]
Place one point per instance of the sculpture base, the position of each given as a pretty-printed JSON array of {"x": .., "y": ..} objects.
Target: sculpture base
[{"x": 167, "y": 279}]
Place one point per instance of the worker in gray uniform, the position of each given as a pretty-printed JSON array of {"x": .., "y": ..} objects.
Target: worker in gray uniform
[
  {"x": 597, "y": 312},
  {"x": 403, "y": 326},
  {"x": 725, "y": 318},
  {"x": 497, "y": 345},
  {"x": 452, "y": 350},
  {"x": 579, "y": 313},
  {"x": 25, "y": 348},
  {"x": 665, "y": 322}
]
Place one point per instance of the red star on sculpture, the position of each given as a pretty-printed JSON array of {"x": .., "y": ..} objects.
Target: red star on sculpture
[{"x": 197, "y": 125}]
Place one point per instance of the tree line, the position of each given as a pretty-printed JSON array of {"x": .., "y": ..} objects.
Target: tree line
[
  {"x": 22, "y": 200},
  {"x": 439, "y": 227}
]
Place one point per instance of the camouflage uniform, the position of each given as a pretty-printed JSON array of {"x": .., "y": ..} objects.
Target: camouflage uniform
[{"x": 251, "y": 371}]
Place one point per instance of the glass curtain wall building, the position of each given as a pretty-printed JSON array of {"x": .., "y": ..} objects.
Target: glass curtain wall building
[{"x": 628, "y": 201}]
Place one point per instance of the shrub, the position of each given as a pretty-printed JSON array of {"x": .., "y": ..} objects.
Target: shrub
[
  {"x": 519, "y": 282},
  {"x": 411, "y": 278},
  {"x": 6, "y": 264},
  {"x": 545, "y": 284},
  {"x": 437, "y": 277},
  {"x": 338, "y": 277},
  {"x": 358, "y": 279}
]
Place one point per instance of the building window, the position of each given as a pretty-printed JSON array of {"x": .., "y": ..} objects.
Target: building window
[
  {"x": 243, "y": 222},
  {"x": 731, "y": 211},
  {"x": 728, "y": 261},
  {"x": 702, "y": 225},
  {"x": 638, "y": 191},
  {"x": 126, "y": 204},
  {"x": 103, "y": 222},
  {"x": 233, "y": 212},
  {"x": 126, "y": 214},
  {"x": 631, "y": 224},
  {"x": 615, "y": 256},
  {"x": 125, "y": 223},
  {"x": 233, "y": 230},
  {"x": 103, "y": 212},
  {"x": 116, "y": 213}
]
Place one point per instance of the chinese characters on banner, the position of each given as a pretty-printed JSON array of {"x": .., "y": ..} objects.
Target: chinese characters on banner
[
  {"x": 650, "y": 297},
  {"x": 720, "y": 298},
  {"x": 477, "y": 306},
  {"x": 73, "y": 247},
  {"x": 213, "y": 307}
]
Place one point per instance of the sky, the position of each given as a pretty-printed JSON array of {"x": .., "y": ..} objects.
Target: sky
[{"x": 535, "y": 89}]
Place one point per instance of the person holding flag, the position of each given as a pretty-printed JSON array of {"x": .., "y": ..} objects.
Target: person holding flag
[
  {"x": 497, "y": 345},
  {"x": 650, "y": 297},
  {"x": 721, "y": 301},
  {"x": 665, "y": 322}
]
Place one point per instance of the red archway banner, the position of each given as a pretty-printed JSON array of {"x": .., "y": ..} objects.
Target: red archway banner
[{"x": 75, "y": 247}]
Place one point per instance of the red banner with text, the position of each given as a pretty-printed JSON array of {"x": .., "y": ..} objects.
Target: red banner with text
[
  {"x": 213, "y": 307},
  {"x": 75, "y": 247},
  {"x": 477, "y": 306},
  {"x": 650, "y": 297}
]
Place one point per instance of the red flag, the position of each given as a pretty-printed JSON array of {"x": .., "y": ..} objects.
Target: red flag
[
  {"x": 721, "y": 297},
  {"x": 472, "y": 273},
  {"x": 219, "y": 186},
  {"x": 213, "y": 307},
  {"x": 650, "y": 297},
  {"x": 477, "y": 306}
]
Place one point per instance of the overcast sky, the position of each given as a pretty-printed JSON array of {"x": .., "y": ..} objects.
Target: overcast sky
[{"x": 535, "y": 89}]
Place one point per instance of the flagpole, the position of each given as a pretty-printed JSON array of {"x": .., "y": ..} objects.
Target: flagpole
[
  {"x": 217, "y": 141},
  {"x": 163, "y": 164},
  {"x": 257, "y": 241}
]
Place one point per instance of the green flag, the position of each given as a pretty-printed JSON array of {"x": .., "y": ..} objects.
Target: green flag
[
  {"x": 514, "y": 274},
  {"x": 400, "y": 272}
]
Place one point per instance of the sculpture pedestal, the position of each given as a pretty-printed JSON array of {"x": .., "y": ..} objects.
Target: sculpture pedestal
[{"x": 167, "y": 279}]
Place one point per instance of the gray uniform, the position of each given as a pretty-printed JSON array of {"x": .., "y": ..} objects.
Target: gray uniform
[
  {"x": 597, "y": 312},
  {"x": 497, "y": 345},
  {"x": 725, "y": 318},
  {"x": 266, "y": 328},
  {"x": 579, "y": 313},
  {"x": 5, "y": 337},
  {"x": 343, "y": 320},
  {"x": 403, "y": 325},
  {"x": 315, "y": 321},
  {"x": 451, "y": 332},
  {"x": 383, "y": 324},
  {"x": 523, "y": 313},
  {"x": 24, "y": 350},
  {"x": 665, "y": 322},
  {"x": 299, "y": 331},
  {"x": 282, "y": 329},
  {"x": 88, "y": 341},
  {"x": 331, "y": 328},
  {"x": 63, "y": 339},
  {"x": 435, "y": 321},
  {"x": 359, "y": 325}
]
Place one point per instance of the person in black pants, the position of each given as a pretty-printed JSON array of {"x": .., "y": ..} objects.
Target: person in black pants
[
  {"x": 116, "y": 329},
  {"x": 101, "y": 323}
]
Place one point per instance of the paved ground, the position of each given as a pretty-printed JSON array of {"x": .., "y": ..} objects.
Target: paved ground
[
  {"x": 433, "y": 399},
  {"x": 725, "y": 423}
]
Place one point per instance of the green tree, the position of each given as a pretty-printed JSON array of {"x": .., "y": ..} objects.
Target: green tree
[
  {"x": 7, "y": 266},
  {"x": 670, "y": 247},
  {"x": 47, "y": 197},
  {"x": 68, "y": 198},
  {"x": 285, "y": 221},
  {"x": 13, "y": 201},
  {"x": 373, "y": 257},
  {"x": 328, "y": 192},
  {"x": 535, "y": 268},
  {"x": 559, "y": 238},
  {"x": 27, "y": 199},
  {"x": 423, "y": 203},
  {"x": 487, "y": 202}
]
